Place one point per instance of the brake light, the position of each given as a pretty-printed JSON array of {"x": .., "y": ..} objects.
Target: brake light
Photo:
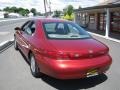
[
  {"x": 63, "y": 55},
  {"x": 56, "y": 55}
]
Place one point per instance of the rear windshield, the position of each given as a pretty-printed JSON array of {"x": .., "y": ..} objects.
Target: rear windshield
[{"x": 64, "y": 30}]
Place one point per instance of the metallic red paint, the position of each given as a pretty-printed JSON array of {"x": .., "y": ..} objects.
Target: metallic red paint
[{"x": 76, "y": 59}]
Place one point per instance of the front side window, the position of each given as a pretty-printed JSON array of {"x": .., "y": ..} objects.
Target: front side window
[
  {"x": 30, "y": 28},
  {"x": 25, "y": 25},
  {"x": 64, "y": 30}
]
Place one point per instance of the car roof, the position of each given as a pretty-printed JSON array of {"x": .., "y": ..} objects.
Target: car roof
[{"x": 50, "y": 20}]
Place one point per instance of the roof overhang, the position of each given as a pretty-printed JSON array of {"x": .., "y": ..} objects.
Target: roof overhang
[{"x": 100, "y": 8}]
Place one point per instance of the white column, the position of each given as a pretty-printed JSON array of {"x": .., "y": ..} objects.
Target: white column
[
  {"x": 75, "y": 17},
  {"x": 107, "y": 22}
]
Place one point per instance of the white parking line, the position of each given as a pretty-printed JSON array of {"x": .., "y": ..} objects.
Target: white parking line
[
  {"x": 4, "y": 33},
  {"x": 3, "y": 43},
  {"x": 108, "y": 38}
]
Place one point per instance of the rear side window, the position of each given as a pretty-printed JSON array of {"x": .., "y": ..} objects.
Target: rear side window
[{"x": 50, "y": 27}]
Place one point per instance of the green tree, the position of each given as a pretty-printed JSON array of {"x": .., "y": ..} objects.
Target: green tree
[
  {"x": 7, "y": 9},
  {"x": 68, "y": 13},
  {"x": 34, "y": 11},
  {"x": 10, "y": 9},
  {"x": 70, "y": 10},
  {"x": 22, "y": 11},
  {"x": 26, "y": 12},
  {"x": 14, "y": 9}
]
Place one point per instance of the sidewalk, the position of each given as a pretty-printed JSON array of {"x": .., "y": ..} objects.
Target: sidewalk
[{"x": 114, "y": 35}]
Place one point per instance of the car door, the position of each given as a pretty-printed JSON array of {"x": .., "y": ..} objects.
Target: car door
[
  {"x": 18, "y": 35},
  {"x": 26, "y": 36}
]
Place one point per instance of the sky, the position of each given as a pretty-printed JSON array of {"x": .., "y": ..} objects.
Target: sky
[{"x": 55, "y": 4}]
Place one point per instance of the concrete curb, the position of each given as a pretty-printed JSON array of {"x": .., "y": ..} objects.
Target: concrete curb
[{"x": 5, "y": 45}]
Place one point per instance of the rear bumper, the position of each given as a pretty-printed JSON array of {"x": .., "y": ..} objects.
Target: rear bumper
[{"x": 73, "y": 69}]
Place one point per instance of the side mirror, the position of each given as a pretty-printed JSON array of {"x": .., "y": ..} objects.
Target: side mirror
[{"x": 17, "y": 28}]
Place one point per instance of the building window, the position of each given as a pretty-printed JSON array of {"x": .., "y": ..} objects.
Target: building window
[
  {"x": 102, "y": 22},
  {"x": 115, "y": 21},
  {"x": 92, "y": 18}
]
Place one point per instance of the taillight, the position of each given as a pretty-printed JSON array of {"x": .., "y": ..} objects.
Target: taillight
[
  {"x": 63, "y": 55},
  {"x": 56, "y": 55}
]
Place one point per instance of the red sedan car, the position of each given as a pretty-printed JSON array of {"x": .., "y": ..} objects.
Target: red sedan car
[{"x": 61, "y": 49}]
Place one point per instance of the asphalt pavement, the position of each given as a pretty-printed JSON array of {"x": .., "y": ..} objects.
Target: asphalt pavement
[
  {"x": 15, "y": 72},
  {"x": 7, "y": 29}
]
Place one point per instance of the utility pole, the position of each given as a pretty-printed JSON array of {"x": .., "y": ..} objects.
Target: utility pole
[
  {"x": 50, "y": 7},
  {"x": 45, "y": 8}
]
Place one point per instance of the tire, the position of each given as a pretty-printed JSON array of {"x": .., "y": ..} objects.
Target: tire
[
  {"x": 15, "y": 44},
  {"x": 33, "y": 67}
]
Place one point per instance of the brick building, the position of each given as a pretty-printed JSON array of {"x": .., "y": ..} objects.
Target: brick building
[{"x": 104, "y": 17}]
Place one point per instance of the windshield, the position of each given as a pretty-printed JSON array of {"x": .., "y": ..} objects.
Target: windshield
[{"x": 64, "y": 30}]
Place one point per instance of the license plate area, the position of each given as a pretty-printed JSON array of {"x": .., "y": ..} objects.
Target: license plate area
[{"x": 91, "y": 73}]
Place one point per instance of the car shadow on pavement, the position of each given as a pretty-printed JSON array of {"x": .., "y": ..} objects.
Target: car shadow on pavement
[
  {"x": 24, "y": 57},
  {"x": 76, "y": 83}
]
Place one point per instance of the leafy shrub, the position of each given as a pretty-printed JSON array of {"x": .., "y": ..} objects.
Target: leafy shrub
[{"x": 67, "y": 17}]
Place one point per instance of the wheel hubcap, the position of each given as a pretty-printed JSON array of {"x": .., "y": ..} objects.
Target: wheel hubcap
[{"x": 32, "y": 64}]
